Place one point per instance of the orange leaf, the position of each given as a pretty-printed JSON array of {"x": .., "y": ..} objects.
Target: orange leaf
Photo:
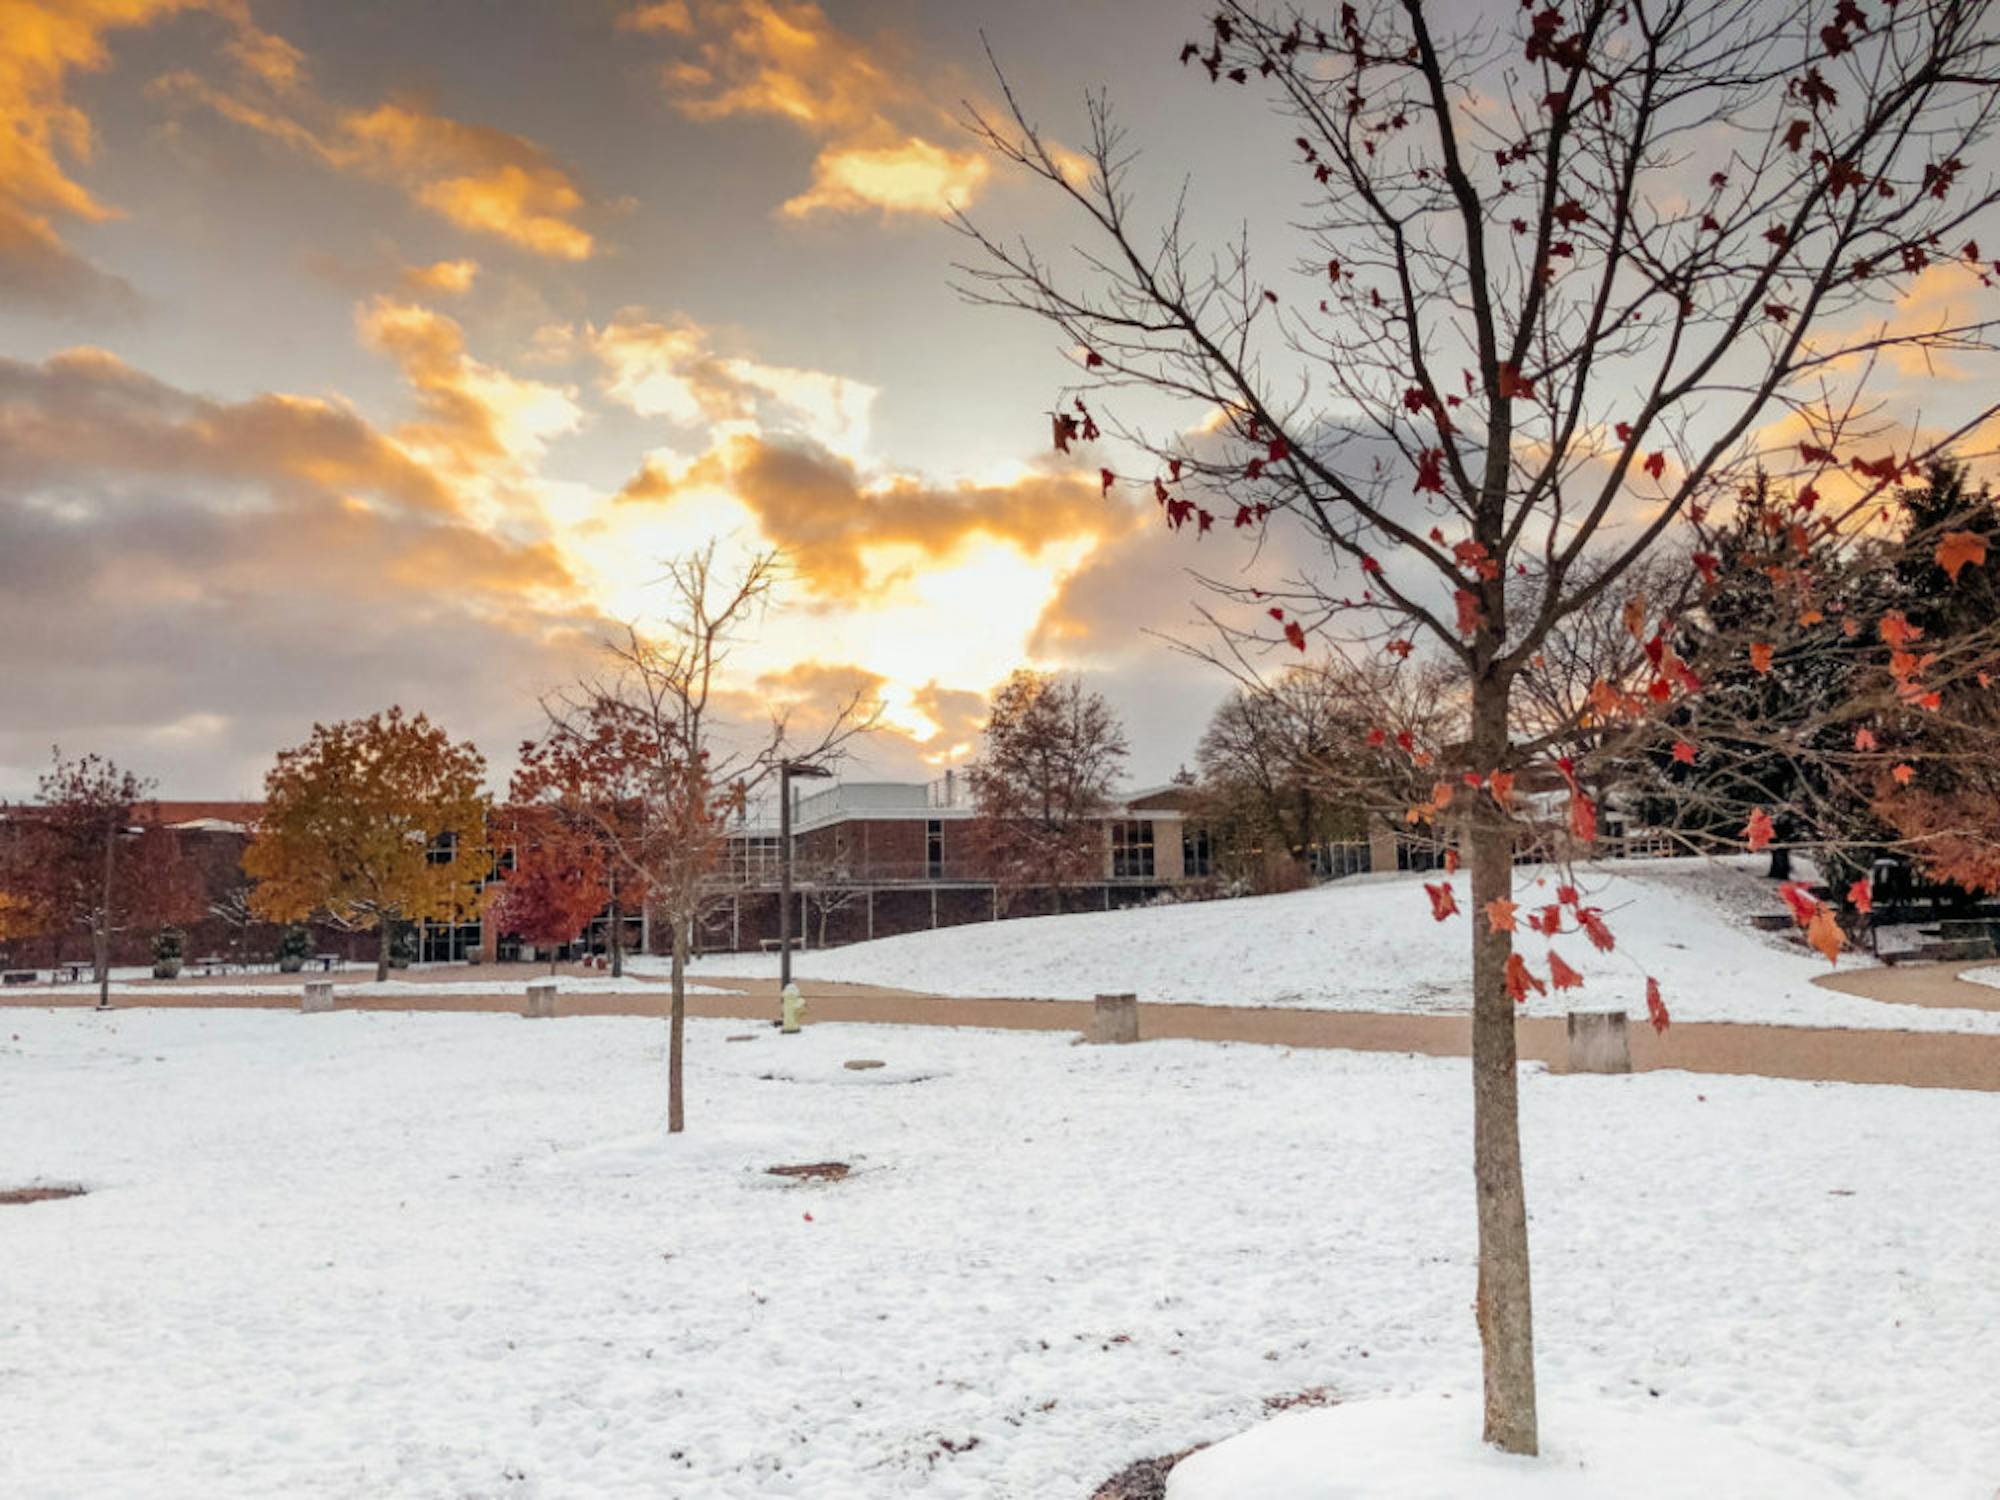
[
  {"x": 1500, "y": 915},
  {"x": 1959, "y": 548},
  {"x": 1861, "y": 895},
  {"x": 1441, "y": 794},
  {"x": 1684, "y": 752},
  {"x": 1864, "y": 739},
  {"x": 1824, "y": 934},
  {"x": 1634, "y": 616},
  {"x": 1451, "y": 861},
  {"x": 1501, "y": 784},
  {"x": 1758, "y": 831},
  {"x": 1904, "y": 774},
  {"x": 1760, "y": 656}
]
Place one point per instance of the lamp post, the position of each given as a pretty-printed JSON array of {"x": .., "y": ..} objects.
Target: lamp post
[{"x": 787, "y": 769}]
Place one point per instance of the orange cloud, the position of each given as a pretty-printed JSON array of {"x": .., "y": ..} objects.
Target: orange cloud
[
  {"x": 43, "y": 42},
  {"x": 814, "y": 505},
  {"x": 785, "y": 58},
  {"x": 474, "y": 413},
  {"x": 484, "y": 180},
  {"x": 914, "y": 177},
  {"x": 669, "y": 370},
  {"x": 445, "y": 277}
]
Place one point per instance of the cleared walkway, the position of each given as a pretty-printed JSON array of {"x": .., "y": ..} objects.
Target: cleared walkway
[{"x": 1916, "y": 1059}]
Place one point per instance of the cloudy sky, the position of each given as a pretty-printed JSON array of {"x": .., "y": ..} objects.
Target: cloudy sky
[{"x": 376, "y": 352}]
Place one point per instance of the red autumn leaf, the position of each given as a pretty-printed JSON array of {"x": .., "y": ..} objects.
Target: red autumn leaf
[
  {"x": 1861, "y": 896},
  {"x": 1684, "y": 752},
  {"x": 1443, "y": 902},
  {"x": 1441, "y": 795},
  {"x": 1105, "y": 479},
  {"x": 1800, "y": 900},
  {"x": 1400, "y": 649},
  {"x": 1254, "y": 469},
  {"x": 1624, "y": 431},
  {"x": 1174, "y": 470},
  {"x": 1795, "y": 134},
  {"x": 1708, "y": 565},
  {"x": 1514, "y": 383},
  {"x": 1813, "y": 454},
  {"x": 1864, "y": 739},
  {"x": 1591, "y": 921},
  {"x": 1521, "y": 979},
  {"x": 1758, "y": 832},
  {"x": 1561, "y": 975},
  {"x": 1377, "y": 738},
  {"x": 1278, "y": 452},
  {"x": 1959, "y": 548},
  {"x": 1430, "y": 472},
  {"x": 1824, "y": 934},
  {"x": 1500, "y": 915},
  {"x": 1904, "y": 774},
  {"x": 1760, "y": 656},
  {"x": 1568, "y": 895},
  {"x": 1469, "y": 614},
  {"x": 1451, "y": 861},
  {"x": 1582, "y": 818},
  {"x": 1092, "y": 359},
  {"x": 1656, "y": 1008},
  {"x": 1501, "y": 785},
  {"x": 1065, "y": 430},
  {"x": 1656, "y": 464}
]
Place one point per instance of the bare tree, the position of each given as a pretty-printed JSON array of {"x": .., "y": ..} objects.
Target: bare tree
[
  {"x": 657, "y": 714},
  {"x": 1051, "y": 752},
  {"x": 1575, "y": 276}
]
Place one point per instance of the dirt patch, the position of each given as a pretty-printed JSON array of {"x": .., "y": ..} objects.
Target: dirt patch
[
  {"x": 1145, "y": 1480},
  {"x": 813, "y": 1171},
  {"x": 39, "y": 1194},
  {"x": 1312, "y": 1395}
]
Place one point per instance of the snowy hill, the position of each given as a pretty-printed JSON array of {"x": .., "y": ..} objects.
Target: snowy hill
[{"x": 1370, "y": 943}]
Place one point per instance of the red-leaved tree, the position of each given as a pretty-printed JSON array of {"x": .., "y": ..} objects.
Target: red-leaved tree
[
  {"x": 1561, "y": 284},
  {"x": 557, "y": 886}
]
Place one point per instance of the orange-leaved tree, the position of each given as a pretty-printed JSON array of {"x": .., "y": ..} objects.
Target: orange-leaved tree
[
  {"x": 1555, "y": 285},
  {"x": 371, "y": 823}
]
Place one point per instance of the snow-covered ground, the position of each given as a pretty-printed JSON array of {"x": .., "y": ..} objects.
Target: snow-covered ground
[
  {"x": 378, "y": 1254},
  {"x": 1371, "y": 943},
  {"x": 640, "y": 981}
]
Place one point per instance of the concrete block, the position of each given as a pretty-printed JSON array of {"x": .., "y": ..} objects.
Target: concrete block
[
  {"x": 1598, "y": 1042},
  {"x": 541, "y": 1001},
  {"x": 1113, "y": 1019},
  {"x": 318, "y": 997}
]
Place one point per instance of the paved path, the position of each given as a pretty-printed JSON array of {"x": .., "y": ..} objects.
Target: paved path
[
  {"x": 1936, "y": 985},
  {"x": 1920, "y": 1059}
]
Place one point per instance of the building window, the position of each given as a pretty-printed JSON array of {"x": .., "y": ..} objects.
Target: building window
[
  {"x": 1197, "y": 854},
  {"x": 1132, "y": 850},
  {"x": 934, "y": 848},
  {"x": 443, "y": 849}
]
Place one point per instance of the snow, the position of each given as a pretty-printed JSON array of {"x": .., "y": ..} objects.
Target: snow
[
  {"x": 390, "y": 1254},
  {"x": 1370, "y": 943},
  {"x": 1427, "y": 1448}
]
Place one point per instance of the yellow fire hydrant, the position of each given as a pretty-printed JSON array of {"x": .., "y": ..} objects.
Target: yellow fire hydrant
[{"x": 792, "y": 1009}]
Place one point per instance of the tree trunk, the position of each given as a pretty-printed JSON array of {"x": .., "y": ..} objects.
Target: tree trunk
[
  {"x": 617, "y": 934},
  {"x": 552, "y": 961},
  {"x": 1505, "y": 1310},
  {"x": 385, "y": 931},
  {"x": 676, "y": 1029}
]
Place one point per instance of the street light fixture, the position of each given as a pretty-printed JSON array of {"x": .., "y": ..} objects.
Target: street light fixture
[{"x": 787, "y": 769}]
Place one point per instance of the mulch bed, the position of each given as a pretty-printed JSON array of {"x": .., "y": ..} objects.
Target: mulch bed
[
  {"x": 813, "y": 1171},
  {"x": 39, "y": 1194},
  {"x": 1147, "y": 1479}
]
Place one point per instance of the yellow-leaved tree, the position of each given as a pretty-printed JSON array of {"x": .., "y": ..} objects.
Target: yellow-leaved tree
[{"x": 370, "y": 823}]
